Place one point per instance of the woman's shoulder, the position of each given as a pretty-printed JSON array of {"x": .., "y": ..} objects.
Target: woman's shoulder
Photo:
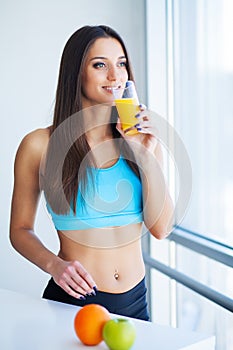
[
  {"x": 35, "y": 143},
  {"x": 37, "y": 139}
]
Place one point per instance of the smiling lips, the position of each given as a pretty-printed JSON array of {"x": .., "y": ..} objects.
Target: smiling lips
[{"x": 110, "y": 88}]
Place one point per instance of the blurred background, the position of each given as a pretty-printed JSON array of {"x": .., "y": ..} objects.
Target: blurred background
[{"x": 182, "y": 54}]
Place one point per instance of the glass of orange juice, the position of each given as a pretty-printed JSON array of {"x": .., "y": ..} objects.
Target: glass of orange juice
[{"x": 127, "y": 105}]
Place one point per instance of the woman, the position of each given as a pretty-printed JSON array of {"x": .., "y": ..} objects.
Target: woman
[{"x": 100, "y": 258}]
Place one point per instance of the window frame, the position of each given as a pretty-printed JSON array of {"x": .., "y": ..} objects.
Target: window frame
[{"x": 204, "y": 246}]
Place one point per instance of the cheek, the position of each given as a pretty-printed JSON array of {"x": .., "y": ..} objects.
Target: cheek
[
  {"x": 125, "y": 75},
  {"x": 83, "y": 87},
  {"x": 91, "y": 78},
  {"x": 86, "y": 83}
]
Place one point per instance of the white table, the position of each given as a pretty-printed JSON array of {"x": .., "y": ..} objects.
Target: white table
[{"x": 28, "y": 323}]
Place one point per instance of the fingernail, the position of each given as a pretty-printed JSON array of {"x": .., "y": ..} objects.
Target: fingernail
[
  {"x": 139, "y": 129},
  {"x": 140, "y": 105},
  {"x": 95, "y": 289},
  {"x": 137, "y": 125},
  {"x": 137, "y": 115},
  {"x": 82, "y": 298}
]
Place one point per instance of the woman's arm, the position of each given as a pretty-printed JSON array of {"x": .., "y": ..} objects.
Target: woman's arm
[
  {"x": 25, "y": 199},
  {"x": 158, "y": 208}
]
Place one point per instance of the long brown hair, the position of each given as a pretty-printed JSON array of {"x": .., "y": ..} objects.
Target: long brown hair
[{"x": 63, "y": 170}]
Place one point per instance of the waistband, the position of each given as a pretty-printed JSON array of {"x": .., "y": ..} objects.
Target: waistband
[{"x": 138, "y": 286}]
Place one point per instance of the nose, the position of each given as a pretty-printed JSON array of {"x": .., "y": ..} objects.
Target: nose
[{"x": 112, "y": 73}]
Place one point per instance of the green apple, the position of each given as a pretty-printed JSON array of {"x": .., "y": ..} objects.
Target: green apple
[{"x": 119, "y": 334}]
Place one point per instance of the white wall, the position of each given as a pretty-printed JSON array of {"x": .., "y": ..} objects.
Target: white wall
[{"x": 32, "y": 36}]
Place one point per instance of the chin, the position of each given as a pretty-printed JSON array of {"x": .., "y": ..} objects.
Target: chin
[{"x": 108, "y": 100}]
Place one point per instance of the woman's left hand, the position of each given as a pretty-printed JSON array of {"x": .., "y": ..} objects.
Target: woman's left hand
[{"x": 146, "y": 138}]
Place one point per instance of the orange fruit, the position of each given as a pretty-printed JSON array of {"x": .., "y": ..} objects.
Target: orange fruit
[{"x": 89, "y": 322}]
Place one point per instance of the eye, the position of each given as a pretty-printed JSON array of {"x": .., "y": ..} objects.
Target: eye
[
  {"x": 122, "y": 64},
  {"x": 98, "y": 65}
]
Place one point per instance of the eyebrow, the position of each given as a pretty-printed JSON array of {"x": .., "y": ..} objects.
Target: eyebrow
[{"x": 105, "y": 58}]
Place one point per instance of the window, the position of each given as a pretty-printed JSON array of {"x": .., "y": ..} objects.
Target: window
[
  {"x": 190, "y": 82},
  {"x": 203, "y": 109}
]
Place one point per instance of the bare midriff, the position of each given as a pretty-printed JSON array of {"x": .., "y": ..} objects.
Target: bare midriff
[{"x": 111, "y": 255}]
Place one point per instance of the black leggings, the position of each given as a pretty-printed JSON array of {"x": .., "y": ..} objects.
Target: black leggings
[{"x": 131, "y": 303}]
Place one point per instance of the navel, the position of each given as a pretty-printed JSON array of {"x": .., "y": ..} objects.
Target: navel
[{"x": 116, "y": 274}]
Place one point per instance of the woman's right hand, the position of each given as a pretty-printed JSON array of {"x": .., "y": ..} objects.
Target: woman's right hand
[{"x": 73, "y": 278}]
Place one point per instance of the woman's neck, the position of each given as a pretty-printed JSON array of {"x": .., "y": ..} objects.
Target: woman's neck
[{"x": 97, "y": 123}]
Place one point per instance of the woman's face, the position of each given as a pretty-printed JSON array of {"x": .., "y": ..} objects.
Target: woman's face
[{"x": 105, "y": 68}]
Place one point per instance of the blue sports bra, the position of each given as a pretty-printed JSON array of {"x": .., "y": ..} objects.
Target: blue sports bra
[{"x": 115, "y": 201}]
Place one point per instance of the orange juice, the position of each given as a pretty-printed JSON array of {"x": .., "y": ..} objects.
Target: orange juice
[{"x": 127, "y": 108}]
